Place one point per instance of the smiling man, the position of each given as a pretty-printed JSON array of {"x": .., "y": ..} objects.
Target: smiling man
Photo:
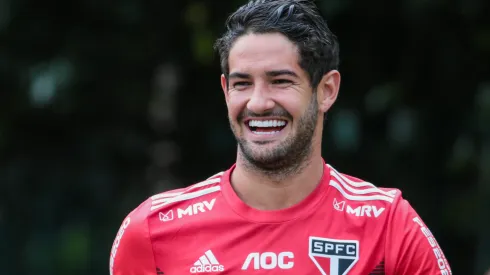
[{"x": 280, "y": 209}]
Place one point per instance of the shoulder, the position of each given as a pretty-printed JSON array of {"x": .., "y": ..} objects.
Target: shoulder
[
  {"x": 412, "y": 247},
  {"x": 132, "y": 250},
  {"x": 134, "y": 232},
  {"x": 162, "y": 203},
  {"x": 363, "y": 198},
  {"x": 359, "y": 190}
]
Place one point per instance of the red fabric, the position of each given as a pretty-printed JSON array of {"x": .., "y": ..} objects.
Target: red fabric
[{"x": 345, "y": 226}]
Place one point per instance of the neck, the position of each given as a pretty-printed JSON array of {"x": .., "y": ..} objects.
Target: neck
[{"x": 266, "y": 191}]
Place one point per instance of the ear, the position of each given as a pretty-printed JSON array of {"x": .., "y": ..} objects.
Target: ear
[
  {"x": 327, "y": 90},
  {"x": 224, "y": 86}
]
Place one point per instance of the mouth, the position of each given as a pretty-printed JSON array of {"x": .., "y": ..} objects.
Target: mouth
[{"x": 266, "y": 127}]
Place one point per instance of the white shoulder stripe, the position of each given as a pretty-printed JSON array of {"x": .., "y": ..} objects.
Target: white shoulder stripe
[
  {"x": 156, "y": 198},
  {"x": 360, "y": 198},
  {"x": 166, "y": 195},
  {"x": 204, "y": 183},
  {"x": 218, "y": 174},
  {"x": 184, "y": 197},
  {"x": 347, "y": 183},
  {"x": 353, "y": 183}
]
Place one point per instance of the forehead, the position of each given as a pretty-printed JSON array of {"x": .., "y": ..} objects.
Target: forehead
[{"x": 262, "y": 52}]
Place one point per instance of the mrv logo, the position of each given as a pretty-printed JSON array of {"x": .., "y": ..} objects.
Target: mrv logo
[
  {"x": 196, "y": 208},
  {"x": 364, "y": 210},
  {"x": 333, "y": 257},
  {"x": 192, "y": 209}
]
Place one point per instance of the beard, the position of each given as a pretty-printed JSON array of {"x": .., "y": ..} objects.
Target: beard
[{"x": 290, "y": 155}]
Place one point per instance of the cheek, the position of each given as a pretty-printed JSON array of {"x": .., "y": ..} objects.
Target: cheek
[
  {"x": 295, "y": 105},
  {"x": 236, "y": 104}
]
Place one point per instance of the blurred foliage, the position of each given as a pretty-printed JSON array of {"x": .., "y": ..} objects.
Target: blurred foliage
[{"x": 103, "y": 103}]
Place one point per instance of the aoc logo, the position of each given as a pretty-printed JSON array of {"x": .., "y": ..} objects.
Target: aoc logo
[{"x": 333, "y": 257}]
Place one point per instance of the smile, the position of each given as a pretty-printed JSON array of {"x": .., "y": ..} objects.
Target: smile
[{"x": 266, "y": 127}]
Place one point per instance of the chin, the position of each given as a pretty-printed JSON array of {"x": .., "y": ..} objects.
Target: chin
[{"x": 266, "y": 152}]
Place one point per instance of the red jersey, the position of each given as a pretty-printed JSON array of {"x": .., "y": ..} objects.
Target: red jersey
[{"x": 345, "y": 226}]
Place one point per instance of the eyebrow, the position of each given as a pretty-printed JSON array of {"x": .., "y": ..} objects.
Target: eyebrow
[
  {"x": 268, "y": 73},
  {"x": 239, "y": 75},
  {"x": 281, "y": 72}
]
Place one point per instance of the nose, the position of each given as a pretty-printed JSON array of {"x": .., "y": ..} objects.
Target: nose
[{"x": 260, "y": 101}]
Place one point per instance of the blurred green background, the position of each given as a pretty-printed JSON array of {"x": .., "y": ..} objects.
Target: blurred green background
[{"x": 104, "y": 103}]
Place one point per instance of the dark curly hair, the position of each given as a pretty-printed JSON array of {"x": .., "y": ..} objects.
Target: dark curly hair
[{"x": 299, "y": 20}]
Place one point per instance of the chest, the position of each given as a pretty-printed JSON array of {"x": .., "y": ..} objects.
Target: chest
[{"x": 235, "y": 247}]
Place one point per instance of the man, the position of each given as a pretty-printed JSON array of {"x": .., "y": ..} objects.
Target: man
[{"x": 280, "y": 209}]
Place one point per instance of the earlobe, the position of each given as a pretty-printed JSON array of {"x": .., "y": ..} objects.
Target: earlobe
[{"x": 328, "y": 90}]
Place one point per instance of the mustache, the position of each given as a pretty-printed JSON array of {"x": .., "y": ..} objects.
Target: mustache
[{"x": 276, "y": 113}]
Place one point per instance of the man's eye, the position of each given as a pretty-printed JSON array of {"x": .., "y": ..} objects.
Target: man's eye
[
  {"x": 241, "y": 84},
  {"x": 281, "y": 81}
]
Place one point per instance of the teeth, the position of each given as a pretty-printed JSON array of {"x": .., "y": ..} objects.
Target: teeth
[
  {"x": 266, "y": 123},
  {"x": 265, "y": 133}
]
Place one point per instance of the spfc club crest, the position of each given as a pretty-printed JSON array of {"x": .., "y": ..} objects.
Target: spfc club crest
[{"x": 333, "y": 257}]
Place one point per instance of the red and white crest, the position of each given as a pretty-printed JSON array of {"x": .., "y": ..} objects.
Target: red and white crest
[{"x": 333, "y": 257}]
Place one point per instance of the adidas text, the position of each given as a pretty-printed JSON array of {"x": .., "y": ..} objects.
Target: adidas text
[{"x": 207, "y": 268}]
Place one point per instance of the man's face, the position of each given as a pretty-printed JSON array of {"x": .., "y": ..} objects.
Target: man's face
[{"x": 272, "y": 109}]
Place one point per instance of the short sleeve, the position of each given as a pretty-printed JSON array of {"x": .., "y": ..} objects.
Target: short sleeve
[
  {"x": 411, "y": 249},
  {"x": 132, "y": 251}
]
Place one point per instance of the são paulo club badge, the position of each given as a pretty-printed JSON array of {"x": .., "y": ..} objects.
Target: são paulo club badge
[{"x": 333, "y": 257}]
